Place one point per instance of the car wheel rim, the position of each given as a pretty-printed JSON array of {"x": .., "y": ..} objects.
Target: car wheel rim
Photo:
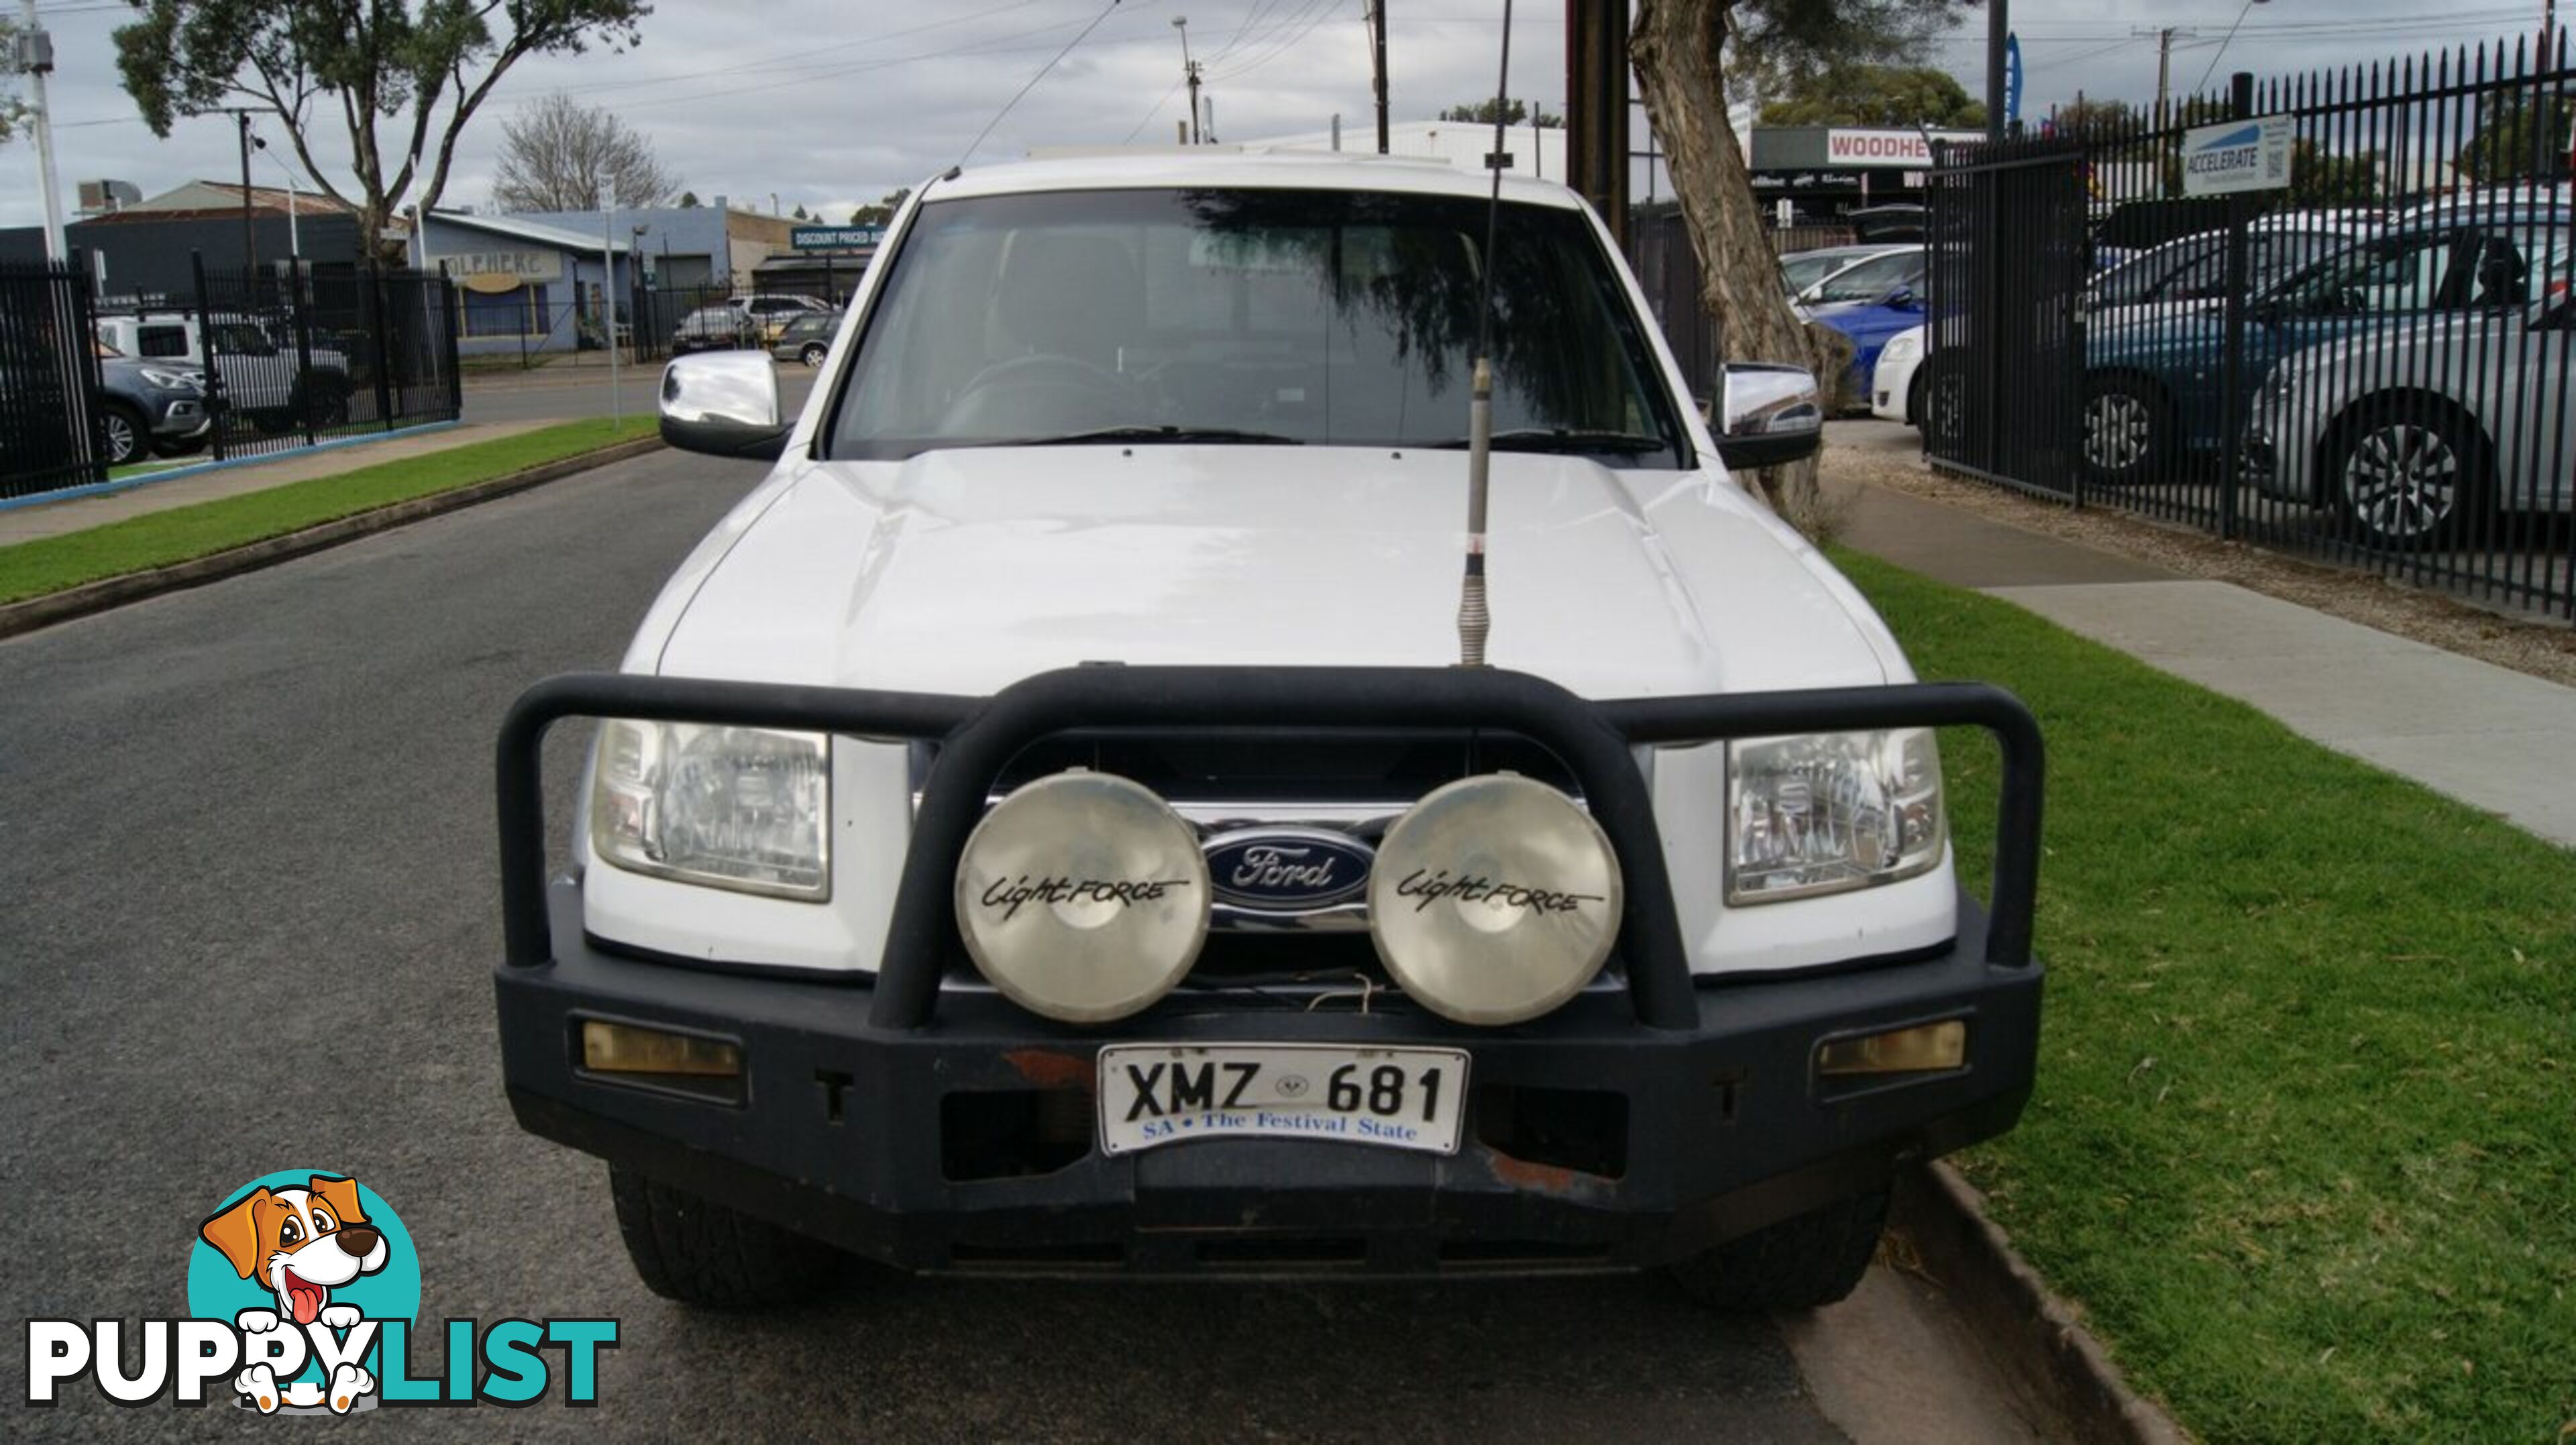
[
  {"x": 1946, "y": 406},
  {"x": 120, "y": 440},
  {"x": 2116, "y": 429},
  {"x": 2402, "y": 481},
  {"x": 813, "y": 356}
]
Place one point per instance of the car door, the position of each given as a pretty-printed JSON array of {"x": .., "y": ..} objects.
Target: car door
[{"x": 2522, "y": 373}]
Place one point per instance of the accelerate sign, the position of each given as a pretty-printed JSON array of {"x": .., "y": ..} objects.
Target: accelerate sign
[{"x": 2236, "y": 155}]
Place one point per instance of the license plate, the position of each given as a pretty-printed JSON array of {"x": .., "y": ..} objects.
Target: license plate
[{"x": 1157, "y": 1094}]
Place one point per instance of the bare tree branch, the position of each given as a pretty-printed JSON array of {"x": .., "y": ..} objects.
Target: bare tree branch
[{"x": 560, "y": 155}]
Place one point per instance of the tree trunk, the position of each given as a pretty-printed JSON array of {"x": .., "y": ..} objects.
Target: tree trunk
[{"x": 1678, "y": 49}]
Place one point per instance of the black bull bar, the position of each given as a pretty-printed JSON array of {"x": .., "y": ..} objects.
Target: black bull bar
[{"x": 979, "y": 737}]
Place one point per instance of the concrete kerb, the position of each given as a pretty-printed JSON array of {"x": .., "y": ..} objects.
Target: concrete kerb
[
  {"x": 108, "y": 592},
  {"x": 199, "y": 469},
  {"x": 2034, "y": 1335}
]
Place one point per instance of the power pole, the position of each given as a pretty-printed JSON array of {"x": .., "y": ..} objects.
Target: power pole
[
  {"x": 250, "y": 245},
  {"x": 1377, "y": 65},
  {"x": 1189, "y": 73},
  {"x": 1998, "y": 29},
  {"x": 2164, "y": 58},
  {"x": 608, "y": 299},
  {"x": 36, "y": 58}
]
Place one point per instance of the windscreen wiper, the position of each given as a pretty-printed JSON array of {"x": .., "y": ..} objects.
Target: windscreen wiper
[
  {"x": 1220, "y": 435},
  {"x": 1561, "y": 439}
]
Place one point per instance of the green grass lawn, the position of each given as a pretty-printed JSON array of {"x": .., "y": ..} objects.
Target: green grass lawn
[
  {"x": 51, "y": 564},
  {"x": 2304, "y": 1141}
]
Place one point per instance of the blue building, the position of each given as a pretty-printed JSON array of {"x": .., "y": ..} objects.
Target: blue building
[{"x": 524, "y": 286}]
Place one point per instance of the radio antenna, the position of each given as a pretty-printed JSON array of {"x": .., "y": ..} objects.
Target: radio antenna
[{"x": 1474, "y": 622}]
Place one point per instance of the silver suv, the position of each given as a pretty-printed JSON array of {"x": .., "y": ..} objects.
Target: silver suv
[
  {"x": 265, "y": 381},
  {"x": 2417, "y": 426}
]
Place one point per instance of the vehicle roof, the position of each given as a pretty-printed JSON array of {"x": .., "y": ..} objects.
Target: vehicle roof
[
  {"x": 1177, "y": 167},
  {"x": 1857, "y": 249}
]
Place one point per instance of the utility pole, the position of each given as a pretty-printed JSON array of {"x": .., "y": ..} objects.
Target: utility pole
[
  {"x": 1189, "y": 73},
  {"x": 608, "y": 299},
  {"x": 1377, "y": 65},
  {"x": 1998, "y": 29},
  {"x": 250, "y": 243},
  {"x": 2164, "y": 58},
  {"x": 36, "y": 58}
]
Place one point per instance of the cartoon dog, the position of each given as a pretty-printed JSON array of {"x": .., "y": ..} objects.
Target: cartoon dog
[{"x": 299, "y": 1243}]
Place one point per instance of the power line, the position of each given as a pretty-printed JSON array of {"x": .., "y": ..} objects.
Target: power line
[
  {"x": 1155, "y": 111},
  {"x": 1292, "y": 30},
  {"x": 1034, "y": 79},
  {"x": 774, "y": 66}
]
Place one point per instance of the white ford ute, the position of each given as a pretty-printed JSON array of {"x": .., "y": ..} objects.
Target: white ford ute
[{"x": 1050, "y": 825}]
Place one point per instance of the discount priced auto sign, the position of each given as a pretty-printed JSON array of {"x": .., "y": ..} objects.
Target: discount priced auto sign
[{"x": 2236, "y": 155}]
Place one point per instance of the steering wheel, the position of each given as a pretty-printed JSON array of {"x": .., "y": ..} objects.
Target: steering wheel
[{"x": 1026, "y": 371}]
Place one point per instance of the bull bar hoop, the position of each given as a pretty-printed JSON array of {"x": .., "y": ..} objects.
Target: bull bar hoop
[{"x": 979, "y": 737}]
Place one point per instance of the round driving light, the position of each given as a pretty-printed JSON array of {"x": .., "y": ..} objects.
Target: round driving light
[
  {"x": 1083, "y": 897},
  {"x": 1494, "y": 900}
]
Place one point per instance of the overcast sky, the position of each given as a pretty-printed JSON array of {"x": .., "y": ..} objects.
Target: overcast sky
[{"x": 827, "y": 103}]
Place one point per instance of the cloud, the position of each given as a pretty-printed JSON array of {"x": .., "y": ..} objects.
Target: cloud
[{"x": 826, "y": 103}]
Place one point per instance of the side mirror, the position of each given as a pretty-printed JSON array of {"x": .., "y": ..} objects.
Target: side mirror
[
  {"x": 1772, "y": 415},
  {"x": 724, "y": 404},
  {"x": 1898, "y": 298}
]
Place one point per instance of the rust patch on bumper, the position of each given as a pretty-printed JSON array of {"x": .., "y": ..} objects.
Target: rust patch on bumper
[
  {"x": 1544, "y": 1178},
  {"x": 1051, "y": 1070}
]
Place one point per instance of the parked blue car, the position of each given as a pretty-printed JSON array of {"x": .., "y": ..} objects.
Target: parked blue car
[
  {"x": 2155, "y": 391},
  {"x": 1870, "y": 325}
]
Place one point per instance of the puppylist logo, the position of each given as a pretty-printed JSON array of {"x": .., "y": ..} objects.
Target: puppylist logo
[{"x": 302, "y": 1291}]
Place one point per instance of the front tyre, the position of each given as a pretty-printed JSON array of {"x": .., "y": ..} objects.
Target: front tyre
[
  {"x": 127, "y": 435},
  {"x": 1806, "y": 1260},
  {"x": 700, "y": 1252},
  {"x": 2410, "y": 478},
  {"x": 2128, "y": 430}
]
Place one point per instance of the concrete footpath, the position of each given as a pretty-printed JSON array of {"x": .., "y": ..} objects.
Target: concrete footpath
[
  {"x": 2493, "y": 738},
  {"x": 76, "y": 514}
]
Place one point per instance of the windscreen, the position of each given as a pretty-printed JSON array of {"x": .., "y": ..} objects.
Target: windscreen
[{"x": 1321, "y": 317}]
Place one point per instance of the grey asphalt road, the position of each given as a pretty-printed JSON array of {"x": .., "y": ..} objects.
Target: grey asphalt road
[
  {"x": 551, "y": 394},
  {"x": 248, "y": 910}
]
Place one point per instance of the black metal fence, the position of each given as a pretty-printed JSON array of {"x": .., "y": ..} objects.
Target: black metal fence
[
  {"x": 49, "y": 382},
  {"x": 671, "y": 320},
  {"x": 239, "y": 363},
  {"x": 2366, "y": 361},
  {"x": 295, "y": 357},
  {"x": 1996, "y": 393},
  {"x": 1659, "y": 252}
]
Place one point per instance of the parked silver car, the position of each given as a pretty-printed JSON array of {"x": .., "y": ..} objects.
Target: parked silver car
[
  {"x": 2187, "y": 276},
  {"x": 149, "y": 406},
  {"x": 2424, "y": 422},
  {"x": 721, "y": 327},
  {"x": 808, "y": 338}
]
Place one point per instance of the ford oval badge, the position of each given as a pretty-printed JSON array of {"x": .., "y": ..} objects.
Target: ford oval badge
[{"x": 1287, "y": 870}]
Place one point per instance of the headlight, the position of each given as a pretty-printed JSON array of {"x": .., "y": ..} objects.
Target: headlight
[
  {"x": 1083, "y": 897},
  {"x": 167, "y": 380},
  {"x": 740, "y": 808},
  {"x": 2280, "y": 385},
  {"x": 1494, "y": 899},
  {"x": 1830, "y": 812},
  {"x": 1905, "y": 347}
]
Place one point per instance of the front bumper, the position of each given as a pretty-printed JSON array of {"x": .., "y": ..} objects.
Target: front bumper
[
  {"x": 931, "y": 1124},
  {"x": 182, "y": 419},
  {"x": 856, "y": 1134}
]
